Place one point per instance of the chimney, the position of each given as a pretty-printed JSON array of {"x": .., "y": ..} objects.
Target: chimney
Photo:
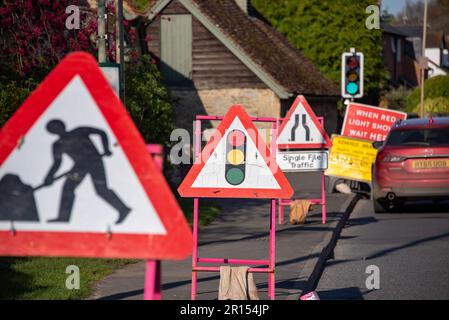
[{"x": 243, "y": 4}]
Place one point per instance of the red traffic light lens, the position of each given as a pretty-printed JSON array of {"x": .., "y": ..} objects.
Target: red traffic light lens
[
  {"x": 236, "y": 138},
  {"x": 352, "y": 62}
]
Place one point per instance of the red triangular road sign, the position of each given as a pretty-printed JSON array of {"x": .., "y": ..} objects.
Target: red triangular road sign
[
  {"x": 236, "y": 163},
  {"x": 76, "y": 178},
  {"x": 301, "y": 128}
]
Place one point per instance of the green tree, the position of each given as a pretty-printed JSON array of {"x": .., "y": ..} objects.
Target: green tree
[
  {"x": 32, "y": 44},
  {"x": 12, "y": 94},
  {"x": 396, "y": 98},
  {"x": 323, "y": 30},
  {"x": 148, "y": 101},
  {"x": 436, "y": 96}
]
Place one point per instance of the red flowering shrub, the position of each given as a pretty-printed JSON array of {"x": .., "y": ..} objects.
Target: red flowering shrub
[{"x": 34, "y": 34}]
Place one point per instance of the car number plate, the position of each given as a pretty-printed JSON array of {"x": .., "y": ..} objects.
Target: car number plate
[{"x": 430, "y": 164}]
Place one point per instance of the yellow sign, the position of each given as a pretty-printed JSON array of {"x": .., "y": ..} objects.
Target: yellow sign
[{"x": 351, "y": 158}]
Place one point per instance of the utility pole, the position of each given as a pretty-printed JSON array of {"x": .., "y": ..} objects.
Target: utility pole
[
  {"x": 120, "y": 47},
  {"x": 423, "y": 58},
  {"x": 101, "y": 31}
]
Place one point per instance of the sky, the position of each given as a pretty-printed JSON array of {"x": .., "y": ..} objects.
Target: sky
[{"x": 394, "y": 6}]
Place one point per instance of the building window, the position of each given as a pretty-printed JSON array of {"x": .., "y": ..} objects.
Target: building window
[
  {"x": 445, "y": 58},
  {"x": 398, "y": 51},
  {"x": 176, "y": 49},
  {"x": 393, "y": 45}
]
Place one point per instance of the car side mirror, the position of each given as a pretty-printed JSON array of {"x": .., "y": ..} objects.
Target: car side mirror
[{"x": 378, "y": 144}]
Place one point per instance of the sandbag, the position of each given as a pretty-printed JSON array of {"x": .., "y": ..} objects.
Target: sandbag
[
  {"x": 17, "y": 201},
  {"x": 299, "y": 210},
  {"x": 236, "y": 283}
]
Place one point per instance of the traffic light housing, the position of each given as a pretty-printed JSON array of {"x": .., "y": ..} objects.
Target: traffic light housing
[
  {"x": 352, "y": 76},
  {"x": 235, "y": 157}
]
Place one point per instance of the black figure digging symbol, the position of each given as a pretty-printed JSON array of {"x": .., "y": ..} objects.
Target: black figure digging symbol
[
  {"x": 17, "y": 202},
  {"x": 78, "y": 146}
]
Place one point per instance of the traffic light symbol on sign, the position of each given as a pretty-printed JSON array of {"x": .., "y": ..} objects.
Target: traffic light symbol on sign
[{"x": 235, "y": 157}]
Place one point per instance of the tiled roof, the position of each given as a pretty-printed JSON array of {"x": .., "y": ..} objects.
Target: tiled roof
[
  {"x": 262, "y": 43},
  {"x": 268, "y": 48}
]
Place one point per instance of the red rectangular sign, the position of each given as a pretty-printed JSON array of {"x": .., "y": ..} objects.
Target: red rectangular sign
[{"x": 368, "y": 122}]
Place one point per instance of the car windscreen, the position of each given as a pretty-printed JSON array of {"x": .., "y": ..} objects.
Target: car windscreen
[{"x": 419, "y": 137}]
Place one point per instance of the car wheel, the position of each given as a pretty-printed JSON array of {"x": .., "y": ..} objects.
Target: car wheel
[{"x": 380, "y": 207}]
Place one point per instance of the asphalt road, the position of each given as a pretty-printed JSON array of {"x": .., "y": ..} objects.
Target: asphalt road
[
  {"x": 241, "y": 231},
  {"x": 411, "y": 250}
]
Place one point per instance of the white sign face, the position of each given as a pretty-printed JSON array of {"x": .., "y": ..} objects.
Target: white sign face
[
  {"x": 74, "y": 173},
  {"x": 301, "y": 128},
  {"x": 112, "y": 74},
  {"x": 257, "y": 173},
  {"x": 302, "y": 161}
]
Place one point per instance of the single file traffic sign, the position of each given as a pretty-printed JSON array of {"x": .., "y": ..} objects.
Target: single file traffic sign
[
  {"x": 76, "y": 178},
  {"x": 301, "y": 128},
  {"x": 236, "y": 163},
  {"x": 303, "y": 161}
]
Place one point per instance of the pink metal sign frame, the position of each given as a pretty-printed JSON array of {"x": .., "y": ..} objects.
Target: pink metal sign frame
[
  {"x": 321, "y": 201},
  {"x": 271, "y": 261},
  {"x": 152, "y": 286}
]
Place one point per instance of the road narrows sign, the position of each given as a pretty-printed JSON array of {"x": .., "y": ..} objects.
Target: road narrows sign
[
  {"x": 76, "y": 178},
  {"x": 235, "y": 163},
  {"x": 301, "y": 128}
]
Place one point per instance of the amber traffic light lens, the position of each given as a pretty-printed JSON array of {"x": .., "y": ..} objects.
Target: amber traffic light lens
[{"x": 352, "y": 76}]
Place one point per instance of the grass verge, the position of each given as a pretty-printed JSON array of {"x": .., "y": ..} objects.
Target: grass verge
[
  {"x": 45, "y": 278},
  {"x": 207, "y": 212}
]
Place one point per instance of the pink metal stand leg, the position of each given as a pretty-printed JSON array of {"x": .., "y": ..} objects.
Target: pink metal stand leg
[
  {"x": 195, "y": 248},
  {"x": 281, "y": 214},
  {"x": 152, "y": 290},
  {"x": 195, "y": 214},
  {"x": 152, "y": 286},
  {"x": 323, "y": 198},
  {"x": 272, "y": 258}
]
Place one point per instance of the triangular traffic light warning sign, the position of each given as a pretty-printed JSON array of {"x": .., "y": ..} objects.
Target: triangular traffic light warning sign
[
  {"x": 76, "y": 178},
  {"x": 236, "y": 163},
  {"x": 301, "y": 128}
]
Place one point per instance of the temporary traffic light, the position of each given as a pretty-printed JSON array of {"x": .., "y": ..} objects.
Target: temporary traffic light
[
  {"x": 235, "y": 157},
  {"x": 352, "y": 74}
]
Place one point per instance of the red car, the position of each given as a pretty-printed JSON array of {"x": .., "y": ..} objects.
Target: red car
[{"x": 412, "y": 164}]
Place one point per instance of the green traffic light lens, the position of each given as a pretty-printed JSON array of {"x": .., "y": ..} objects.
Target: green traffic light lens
[
  {"x": 235, "y": 176},
  {"x": 352, "y": 88}
]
